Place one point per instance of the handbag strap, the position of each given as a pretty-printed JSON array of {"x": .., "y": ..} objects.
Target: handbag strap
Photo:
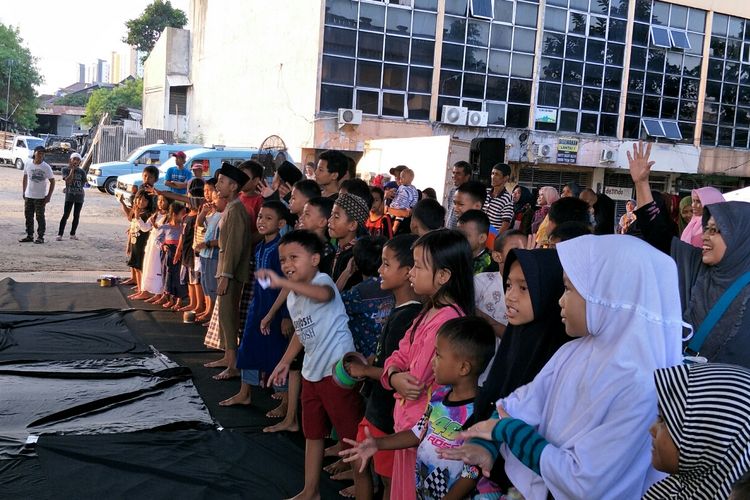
[{"x": 715, "y": 314}]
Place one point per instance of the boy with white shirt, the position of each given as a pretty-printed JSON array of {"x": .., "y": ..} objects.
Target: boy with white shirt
[
  {"x": 321, "y": 327},
  {"x": 38, "y": 185}
]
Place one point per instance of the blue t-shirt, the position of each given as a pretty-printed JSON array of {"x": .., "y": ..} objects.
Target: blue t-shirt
[{"x": 177, "y": 174}]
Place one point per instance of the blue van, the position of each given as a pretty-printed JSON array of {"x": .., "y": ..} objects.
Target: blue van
[
  {"x": 103, "y": 176},
  {"x": 212, "y": 158}
]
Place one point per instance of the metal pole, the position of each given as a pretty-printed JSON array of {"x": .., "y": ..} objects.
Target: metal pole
[{"x": 7, "y": 96}]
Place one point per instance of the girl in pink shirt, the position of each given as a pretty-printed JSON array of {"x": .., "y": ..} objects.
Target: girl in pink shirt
[{"x": 443, "y": 272}]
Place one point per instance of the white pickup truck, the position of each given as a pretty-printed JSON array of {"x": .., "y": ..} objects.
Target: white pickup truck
[{"x": 16, "y": 149}]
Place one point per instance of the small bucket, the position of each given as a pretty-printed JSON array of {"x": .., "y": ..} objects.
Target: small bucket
[
  {"x": 107, "y": 281},
  {"x": 341, "y": 377},
  {"x": 188, "y": 317}
]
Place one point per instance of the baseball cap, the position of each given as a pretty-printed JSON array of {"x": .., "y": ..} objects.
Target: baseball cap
[
  {"x": 390, "y": 185},
  {"x": 396, "y": 171},
  {"x": 75, "y": 155},
  {"x": 39, "y": 148},
  {"x": 179, "y": 154},
  {"x": 197, "y": 164}
]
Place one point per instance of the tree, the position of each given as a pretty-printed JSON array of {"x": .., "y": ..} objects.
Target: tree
[
  {"x": 128, "y": 95},
  {"x": 17, "y": 61},
  {"x": 144, "y": 31}
]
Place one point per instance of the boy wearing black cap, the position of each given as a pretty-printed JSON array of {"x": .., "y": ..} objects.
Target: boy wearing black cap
[
  {"x": 233, "y": 269},
  {"x": 37, "y": 174}
]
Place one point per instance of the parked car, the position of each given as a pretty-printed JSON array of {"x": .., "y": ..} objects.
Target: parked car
[
  {"x": 16, "y": 149},
  {"x": 103, "y": 176},
  {"x": 58, "y": 150},
  {"x": 212, "y": 158}
]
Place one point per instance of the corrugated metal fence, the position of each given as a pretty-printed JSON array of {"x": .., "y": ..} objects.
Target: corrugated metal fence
[{"x": 115, "y": 144}]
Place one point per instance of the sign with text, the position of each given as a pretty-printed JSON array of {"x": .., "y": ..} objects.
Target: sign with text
[
  {"x": 567, "y": 150},
  {"x": 546, "y": 115},
  {"x": 619, "y": 193}
]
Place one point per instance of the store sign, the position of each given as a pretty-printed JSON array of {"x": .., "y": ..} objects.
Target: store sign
[
  {"x": 546, "y": 115},
  {"x": 619, "y": 193},
  {"x": 567, "y": 150}
]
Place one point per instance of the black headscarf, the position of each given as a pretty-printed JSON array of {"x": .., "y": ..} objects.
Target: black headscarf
[
  {"x": 525, "y": 199},
  {"x": 525, "y": 349}
]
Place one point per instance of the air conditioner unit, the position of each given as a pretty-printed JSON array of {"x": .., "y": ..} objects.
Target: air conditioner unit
[
  {"x": 349, "y": 117},
  {"x": 477, "y": 119},
  {"x": 454, "y": 115},
  {"x": 541, "y": 150},
  {"x": 607, "y": 156}
]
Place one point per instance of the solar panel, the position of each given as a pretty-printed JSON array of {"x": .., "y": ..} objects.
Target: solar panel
[
  {"x": 680, "y": 39},
  {"x": 653, "y": 127},
  {"x": 481, "y": 8},
  {"x": 671, "y": 130},
  {"x": 660, "y": 37}
]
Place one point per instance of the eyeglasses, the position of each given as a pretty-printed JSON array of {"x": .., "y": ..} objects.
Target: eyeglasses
[{"x": 711, "y": 230}]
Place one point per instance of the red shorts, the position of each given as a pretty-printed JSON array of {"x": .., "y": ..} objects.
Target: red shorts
[
  {"x": 324, "y": 404},
  {"x": 383, "y": 459}
]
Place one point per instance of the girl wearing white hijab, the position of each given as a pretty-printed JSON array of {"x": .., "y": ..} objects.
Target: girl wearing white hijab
[
  {"x": 577, "y": 430},
  {"x": 702, "y": 436}
]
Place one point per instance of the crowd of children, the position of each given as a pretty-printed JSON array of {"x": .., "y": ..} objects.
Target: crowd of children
[{"x": 474, "y": 352}]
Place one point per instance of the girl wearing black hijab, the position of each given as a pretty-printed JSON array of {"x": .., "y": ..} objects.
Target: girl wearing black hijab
[
  {"x": 523, "y": 209},
  {"x": 527, "y": 345}
]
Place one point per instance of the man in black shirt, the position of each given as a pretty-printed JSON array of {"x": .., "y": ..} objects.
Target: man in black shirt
[{"x": 604, "y": 211}]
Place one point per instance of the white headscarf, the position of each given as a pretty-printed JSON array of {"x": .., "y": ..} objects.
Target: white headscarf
[{"x": 595, "y": 399}]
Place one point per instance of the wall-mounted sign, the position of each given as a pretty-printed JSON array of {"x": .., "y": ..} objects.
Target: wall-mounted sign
[
  {"x": 567, "y": 150},
  {"x": 619, "y": 193},
  {"x": 546, "y": 115}
]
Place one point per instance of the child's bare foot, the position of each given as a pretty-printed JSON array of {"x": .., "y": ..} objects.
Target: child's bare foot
[
  {"x": 140, "y": 296},
  {"x": 348, "y": 492},
  {"x": 303, "y": 495},
  {"x": 347, "y": 475},
  {"x": 176, "y": 307},
  {"x": 337, "y": 467},
  {"x": 285, "y": 426},
  {"x": 153, "y": 298},
  {"x": 237, "y": 399},
  {"x": 278, "y": 395},
  {"x": 278, "y": 412},
  {"x": 333, "y": 451},
  {"x": 129, "y": 281},
  {"x": 219, "y": 363},
  {"x": 186, "y": 308},
  {"x": 161, "y": 300},
  {"x": 228, "y": 374},
  {"x": 168, "y": 304}
]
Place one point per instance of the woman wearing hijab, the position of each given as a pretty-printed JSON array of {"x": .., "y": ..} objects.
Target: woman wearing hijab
[
  {"x": 686, "y": 213},
  {"x": 523, "y": 209},
  {"x": 525, "y": 348},
  {"x": 700, "y": 198},
  {"x": 578, "y": 429},
  {"x": 704, "y": 459},
  {"x": 705, "y": 273}
]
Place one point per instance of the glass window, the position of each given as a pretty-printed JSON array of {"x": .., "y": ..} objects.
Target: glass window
[
  {"x": 422, "y": 52},
  {"x": 672, "y": 86},
  {"x": 571, "y": 97},
  {"x": 499, "y": 62},
  {"x": 555, "y": 19},
  {"x": 368, "y": 74},
  {"x": 573, "y": 72},
  {"x": 396, "y": 49},
  {"x": 518, "y": 116},
  {"x": 473, "y": 86},
  {"x": 497, "y": 88},
  {"x": 589, "y": 123},
  {"x": 526, "y": 14},
  {"x": 371, "y": 17},
  {"x": 495, "y": 114},
  {"x": 598, "y": 27},
  {"x": 612, "y": 77},
  {"x": 608, "y": 125},
  {"x": 720, "y": 24},
  {"x": 420, "y": 79},
  {"x": 424, "y": 24},
  {"x": 453, "y": 56},
  {"x": 577, "y": 23},
  {"x": 669, "y": 109},
  {"x": 450, "y": 83},
  {"x": 549, "y": 94},
  {"x": 338, "y": 70},
  {"x": 636, "y": 81},
  {"x": 660, "y": 13},
  {"x": 501, "y": 37},
  {"x": 594, "y": 75},
  {"x": 394, "y": 77},
  {"x": 419, "y": 107},
  {"x": 615, "y": 54},
  {"x": 617, "y": 30},
  {"x": 457, "y": 7},
  {"x": 575, "y": 48},
  {"x": 641, "y": 34},
  {"x": 426, "y": 5},
  {"x": 599, "y": 6},
  {"x": 590, "y": 99},
  {"x": 553, "y": 44},
  {"x": 398, "y": 21},
  {"x": 633, "y": 104},
  {"x": 393, "y": 104},
  {"x": 339, "y": 41},
  {"x": 551, "y": 69},
  {"x": 610, "y": 102},
  {"x": 638, "y": 58},
  {"x": 476, "y": 60},
  {"x": 370, "y": 46},
  {"x": 481, "y": 8},
  {"x": 595, "y": 52},
  {"x": 503, "y": 12},
  {"x": 368, "y": 101},
  {"x": 697, "y": 20},
  {"x": 341, "y": 13},
  {"x": 691, "y": 66},
  {"x": 524, "y": 40},
  {"x": 522, "y": 65},
  {"x": 454, "y": 29},
  {"x": 478, "y": 33},
  {"x": 654, "y": 83},
  {"x": 520, "y": 91},
  {"x": 333, "y": 97},
  {"x": 678, "y": 17},
  {"x": 568, "y": 121}
]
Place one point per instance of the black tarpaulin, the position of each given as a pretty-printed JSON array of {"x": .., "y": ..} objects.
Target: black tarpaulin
[
  {"x": 83, "y": 398},
  {"x": 57, "y": 336},
  {"x": 180, "y": 464},
  {"x": 44, "y": 297}
]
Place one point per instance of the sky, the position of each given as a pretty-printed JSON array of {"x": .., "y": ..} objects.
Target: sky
[{"x": 62, "y": 34}]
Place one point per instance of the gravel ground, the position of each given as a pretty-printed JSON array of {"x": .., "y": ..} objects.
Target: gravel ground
[{"x": 102, "y": 233}]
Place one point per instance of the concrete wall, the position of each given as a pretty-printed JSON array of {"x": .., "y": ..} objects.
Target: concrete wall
[
  {"x": 170, "y": 56},
  {"x": 254, "y": 69}
]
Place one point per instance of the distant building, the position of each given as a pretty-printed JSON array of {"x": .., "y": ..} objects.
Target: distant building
[
  {"x": 98, "y": 72},
  {"x": 81, "y": 73}
]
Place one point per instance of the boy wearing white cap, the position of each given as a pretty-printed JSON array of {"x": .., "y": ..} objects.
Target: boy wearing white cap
[{"x": 75, "y": 179}]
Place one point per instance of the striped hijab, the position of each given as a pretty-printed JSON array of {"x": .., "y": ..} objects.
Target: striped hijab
[{"x": 706, "y": 408}]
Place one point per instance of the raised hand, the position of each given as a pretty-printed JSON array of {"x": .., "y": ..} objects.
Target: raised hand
[{"x": 638, "y": 162}]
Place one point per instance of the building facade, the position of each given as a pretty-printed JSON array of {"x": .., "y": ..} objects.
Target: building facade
[{"x": 568, "y": 84}]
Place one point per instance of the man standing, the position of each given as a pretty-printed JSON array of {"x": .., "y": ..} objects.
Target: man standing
[
  {"x": 74, "y": 178},
  {"x": 499, "y": 203},
  {"x": 332, "y": 168},
  {"x": 178, "y": 177},
  {"x": 37, "y": 176},
  {"x": 604, "y": 211},
  {"x": 461, "y": 173}
]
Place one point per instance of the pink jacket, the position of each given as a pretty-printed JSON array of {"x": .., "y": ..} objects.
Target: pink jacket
[{"x": 416, "y": 358}]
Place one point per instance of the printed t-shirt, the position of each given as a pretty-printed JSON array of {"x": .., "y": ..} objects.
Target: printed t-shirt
[{"x": 37, "y": 180}]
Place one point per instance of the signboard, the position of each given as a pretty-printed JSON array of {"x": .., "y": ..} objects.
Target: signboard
[
  {"x": 546, "y": 115},
  {"x": 619, "y": 193},
  {"x": 567, "y": 150}
]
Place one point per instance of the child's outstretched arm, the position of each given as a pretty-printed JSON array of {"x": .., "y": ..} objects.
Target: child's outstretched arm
[
  {"x": 360, "y": 370},
  {"x": 364, "y": 450},
  {"x": 318, "y": 293}
]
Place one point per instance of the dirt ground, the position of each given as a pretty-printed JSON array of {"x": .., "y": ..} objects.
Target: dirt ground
[{"x": 102, "y": 233}]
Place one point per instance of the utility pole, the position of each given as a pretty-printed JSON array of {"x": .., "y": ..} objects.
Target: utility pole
[{"x": 7, "y": 96}]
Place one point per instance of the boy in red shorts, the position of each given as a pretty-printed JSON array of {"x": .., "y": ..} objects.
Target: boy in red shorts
[{"x": 321, "y": 327}]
